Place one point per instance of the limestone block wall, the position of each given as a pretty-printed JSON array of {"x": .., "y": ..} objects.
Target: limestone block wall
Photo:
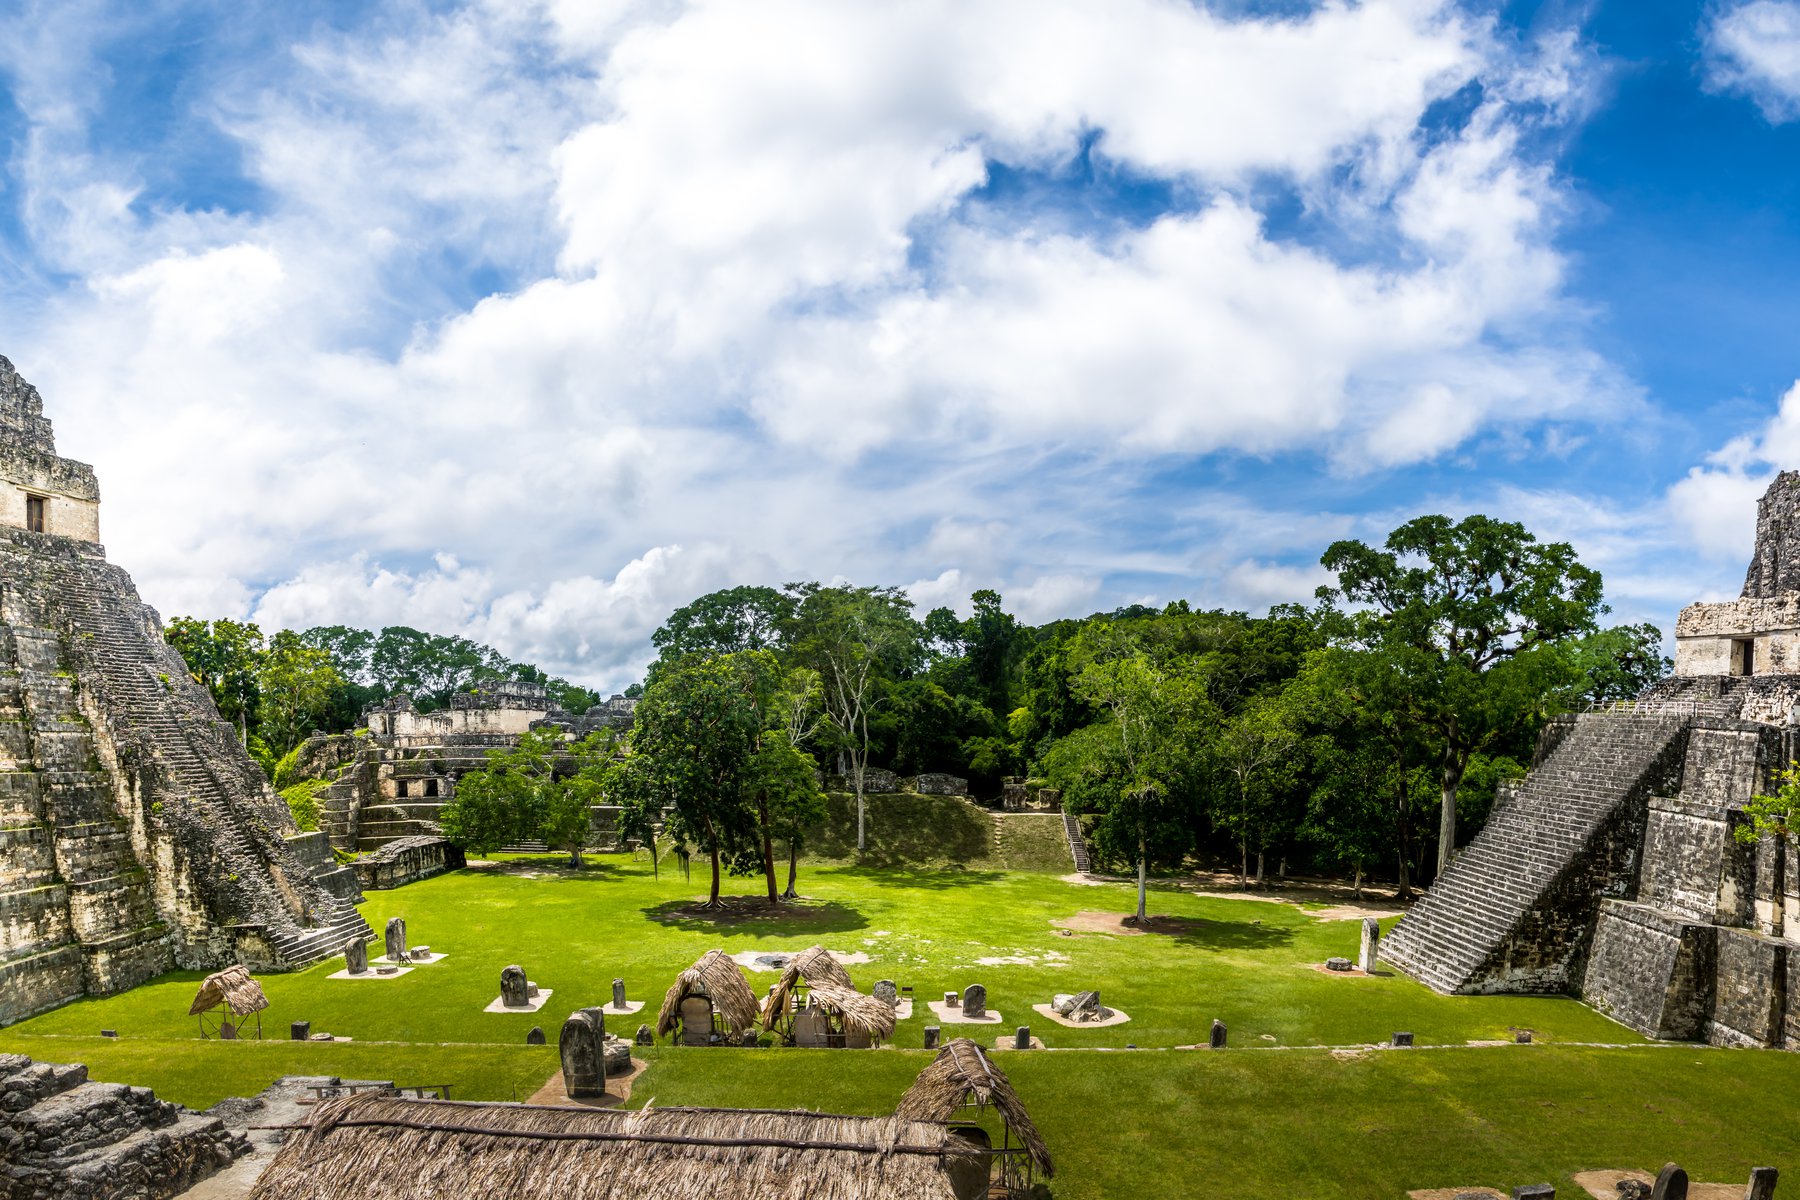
[
  {"x": 1651, "y": 971},
  {"x": 1750, "y": 995}
]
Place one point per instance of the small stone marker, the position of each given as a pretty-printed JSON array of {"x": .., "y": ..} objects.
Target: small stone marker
[
  {"x": 618, "y": 993},
  {"x": 356, "y": 956},
  {"x": 583, "y": 1049},
  {"x": 1338, "y": 964},
  {"x": 514, "y": 989},
  {"x": 419, "y": 954},
  {"x": 952, "y": 999},
  {"x": 887, "y": 993},
  {"x": 1522, "y": 1038},
  {"x": 931, "y": 1036},
  {"x": 299, "y": 1031},
  {"x": 1534, "y": 1191},
  {"x": 387, "y": 969},
  {"x": 1671, "y": 1184},
  {"x": 1371, "y": 943},
  {"x": 536, "y": 1036},
  {"x": 1022, "y": 1038},
  {"x": 1762, "y": 1184},
  {"x": 1402, "y": 1039},
  {"x": 394, "y": 938},
  {"x": 1216, "y": 1039},
  {"x": 750, "y": 1039},
  {"x": 1633, "y": 1189},
  {"x": 644, "y": 1036},
  {"x": 974, "y": 1001},
  {"x": 111, "y": 1033}
]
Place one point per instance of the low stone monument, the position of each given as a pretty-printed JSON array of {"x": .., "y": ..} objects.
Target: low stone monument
[
  {"x": 618, "y": 993},
  {"x": 644, "y": 1036},
  {"x": 515, "y": 989},
  {"x": 952, "y": 999},
  {"x": 1082, "y": 1006},
  {"x": 1217, "y": 1039},
  {"x": 1522, "y": 1038},
  {"x": 1022, "y": 1038},
  {"x": 932, "y": 1032},
  {"x": 1371, "y": 943},
  {"x": 1402, "y": 1038},
  {"x": 394, "y": 938},
  {"x": 1633, "y": 1189},
  {"x": 887, "y": 993},
  {"x": 1535, "y": 1191},
  {"x": 1762, "y": 1184},
  {"x": 536, "y": 1036},
  {"x": 583, "y": 1048},
  {"x": 356, "y": 956},
  {"x": 974, "y": 1001},
  {"x": 1671, "y": 1184},
  {"x": 1338, "y": 964},
  {"x": 299, "y": 1031}
]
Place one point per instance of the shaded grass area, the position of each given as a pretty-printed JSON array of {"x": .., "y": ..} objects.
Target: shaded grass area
[
  {"x": 1307, "y": 1123},
  {"x": 908, "y": 831}
]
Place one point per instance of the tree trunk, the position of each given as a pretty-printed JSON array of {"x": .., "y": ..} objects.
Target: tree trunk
[
  {"x": 1143, "y": 870},
  {"x": 793, "y": 868},
  {"x": 768, "y": 847},
  {"x": 1259, "y": 868},
  {"x": 1243, "y": 862},
  {"x": 1455, "y": 762},
  {"x": 713, "y": 902},
  {"x": 860, "y": 817},
  {"x": 1404, "y": 891},
  {"x": 1359, "y": 879}
]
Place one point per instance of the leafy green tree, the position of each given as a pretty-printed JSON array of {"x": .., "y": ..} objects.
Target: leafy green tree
[
  {"x": 854, "y": 638},
  {"x": 295, "y": 684},
  {"x": 491, "y": 808},
  {"x": 691, "y": 744},
  {"x": 1773, "y": 816},
  {"x": 1618, "y": 663},
  {"x": 725, "y": 622},
  {"x": 1464, "y": 609},
  {"x": 1256, "y": 747},
  {"x": 223, "y": 657},
  {"x": 788, "y": 795},
  {"x": 1134, "y": 768},
  {"x": 576, "y": 783}
]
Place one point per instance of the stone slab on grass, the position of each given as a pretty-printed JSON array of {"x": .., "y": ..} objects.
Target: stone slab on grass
[
  {"x": 1006, "y": 1043},
  {"x": 369, "y": 974},
  {"x": 955, "y": 1016},
  {"x": 1119, "y": 1017},
  {"x": 630, "y": 1007},
  {"x": 538, "y": 1001},
  {"x": 385, "y": 961}
]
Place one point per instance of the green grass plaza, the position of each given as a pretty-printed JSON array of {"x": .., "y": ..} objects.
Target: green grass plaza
[{"x": 1306, "y": 1099}]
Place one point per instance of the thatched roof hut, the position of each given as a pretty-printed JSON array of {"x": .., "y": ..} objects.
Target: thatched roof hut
[
  {"x": 234, "y": 988},
  {"x": 852, "y": 1012},
  {"x": 377, "y": 1147},
  {"x": 962, "y": 1075},
  {"x": 717, "y": 978},
  {"x": 812, "y": 966}
]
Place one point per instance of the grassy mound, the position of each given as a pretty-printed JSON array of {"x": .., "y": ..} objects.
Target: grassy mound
[{"x": 905, "y": 830}]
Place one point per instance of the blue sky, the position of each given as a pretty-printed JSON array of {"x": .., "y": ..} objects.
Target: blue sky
[{"x": 531, "y": 321}]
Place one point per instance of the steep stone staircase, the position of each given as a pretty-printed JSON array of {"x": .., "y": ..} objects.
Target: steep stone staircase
[
  {"x": 63, "y": 1136},
  {"x": 1077, "y": 843},
  {"x": 146, "y": 696},
  {"x": 1540, "y": 864}
]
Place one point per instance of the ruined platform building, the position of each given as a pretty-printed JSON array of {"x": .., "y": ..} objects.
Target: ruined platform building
[
  {"x": 1612, "y": 871},
  {"x": 136, "y": 835}
]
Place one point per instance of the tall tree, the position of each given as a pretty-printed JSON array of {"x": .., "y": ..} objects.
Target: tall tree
[
  {"x": 855, "y": 638},
  {"x": 295, "y": 683},
  {"x": 223, "y": 657},
  {"x": 1135, "y": 767},
  {"x": 691, "y": 742},
  {"x": 1463, "y": 607},
  {"x": 725, "y": 622},
  {"x": 1256, "y": 747}
]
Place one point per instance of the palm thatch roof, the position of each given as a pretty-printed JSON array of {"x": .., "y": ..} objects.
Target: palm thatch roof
[
  {"x": 961, "y": 1074},
  {"x": 385, "y": 1147},
  {"x": 717, "y": 977},
  {"x": 853, "y": 1010},
  {"x": 813, "y": 966},
  {"x": 234, "y": 988}
]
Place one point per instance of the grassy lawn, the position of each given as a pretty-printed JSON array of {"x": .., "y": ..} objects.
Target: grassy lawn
[{"x": 1257, "y": 1119}]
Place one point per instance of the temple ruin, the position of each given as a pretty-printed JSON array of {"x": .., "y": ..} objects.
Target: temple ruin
[
  {"x": 390, "y": 780},
  {"x": 136, "y": 835},
  {"x": 1612, "y": 871}
]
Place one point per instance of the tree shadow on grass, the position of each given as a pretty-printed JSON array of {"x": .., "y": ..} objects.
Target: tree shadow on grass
[
  {"x": 550, "y": 867},
  {"x": 753, "y": 916},
  {"x": 1200, "y": 933},
  {"x": 930, "y": 878}
]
